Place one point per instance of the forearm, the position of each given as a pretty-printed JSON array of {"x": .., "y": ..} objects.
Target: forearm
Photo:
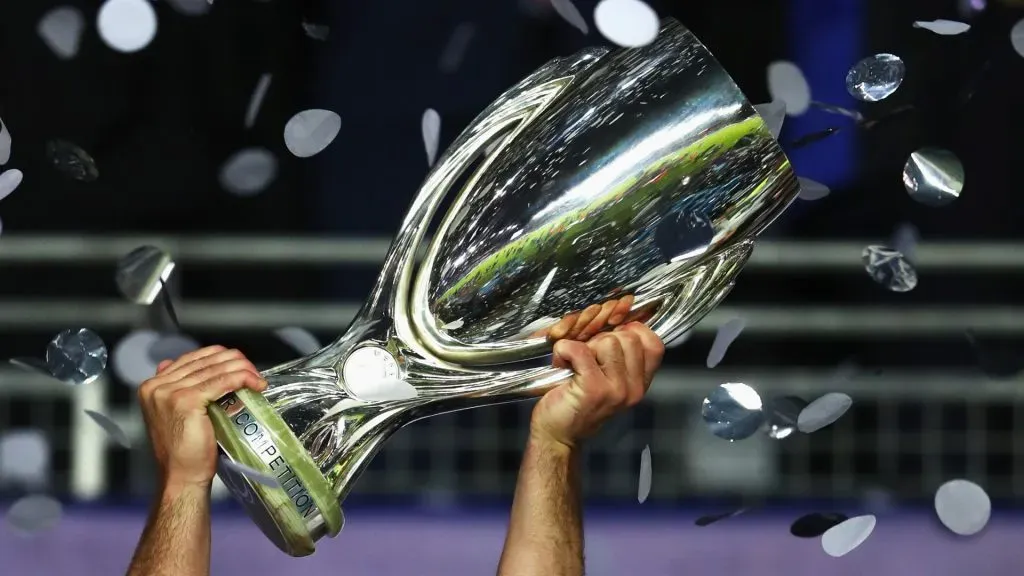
[
  {"x": 176, "y": 541},
  {"x": 545, "y": 533}
]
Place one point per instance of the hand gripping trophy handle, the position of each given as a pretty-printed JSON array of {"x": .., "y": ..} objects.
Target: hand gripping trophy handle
[{"x": 585, "y": 184}]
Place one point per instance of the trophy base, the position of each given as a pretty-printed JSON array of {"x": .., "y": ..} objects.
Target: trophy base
[{"x": 295, "y": 506}]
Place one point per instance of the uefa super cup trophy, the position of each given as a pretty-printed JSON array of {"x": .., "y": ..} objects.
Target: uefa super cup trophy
[{"x": 631, "y": 175}]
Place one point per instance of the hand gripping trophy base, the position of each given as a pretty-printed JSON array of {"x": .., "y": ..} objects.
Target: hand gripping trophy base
[{"x": 581, "y": 189}]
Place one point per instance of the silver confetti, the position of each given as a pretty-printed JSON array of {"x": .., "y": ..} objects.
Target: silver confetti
[
  {"x": 628, "y": 23},
  {"x": 567, "y": 10},
  {"x": 889, "y": 268},
  {"x": 786, "y": 83},
  {"x": 5, "y": 144},
  {"x": 61, "y": 30},
  {"x": 24, "y": 459},
  {"x": 733, "y": 411},
  {"x": 454, "y": 52},
  {"x": 127, "y": 25},
  {"x": 963, "y": 507},
  {"x": 845, "y": 537},
  {"x": 311, "y": 131},
  {"x": 191, "y": 7},
  {"x": 382, "y": 390},
  {"x": 1017, "y": 37},
  {"x": 76, "y": 356},
  {"x": 110, "y": 427},
  {"x": 132, "y": 362},
  {"x": 782, "y": 415},
  {"x": 34, "y": 514},
  {"x": 823, "y": 412},
  {"x": 248, "y": 172},
  {"x": 811, "y": 190},
  {"x": 316, "y": 31},
  {"x": 9, "y": 182},
  {"x": 644, "y": 484},
  {"x": 774, "y": 114},
  {"x": 876, "y": 77},
  {"x": 32, "y": 365},
  {"x": 933, "y": 176},
  {"x": 727, "y": 333},
  {"x": 250, "y": 473},
  {"x": 142, "y": 273},
  {"x": 70, "y": 160},
  {"x": 256, "y": 100},
  {"x": 430, "y": 126},
  {"x": 943, "y": 27},
  {"x": 300, "y": 339}
]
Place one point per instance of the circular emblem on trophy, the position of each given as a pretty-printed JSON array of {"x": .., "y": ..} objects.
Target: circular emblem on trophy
[{"x": 370, "y": 363}]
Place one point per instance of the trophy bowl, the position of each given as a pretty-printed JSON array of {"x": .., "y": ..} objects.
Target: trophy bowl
[{"x": 629, "y": 180}]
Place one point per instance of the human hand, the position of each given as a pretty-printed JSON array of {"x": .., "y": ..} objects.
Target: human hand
[
  {"x": 612, "y": 373},
  {"x": 583, "y": 326},
  {"x": 174, "y": 404}
]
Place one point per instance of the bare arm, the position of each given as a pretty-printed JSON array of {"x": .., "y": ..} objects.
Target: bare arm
[
  {"x": 545, "y": 533},
  {"x": 176, "y": 541}
]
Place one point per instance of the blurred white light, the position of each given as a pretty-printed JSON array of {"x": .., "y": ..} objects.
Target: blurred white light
[{"x": 127, "y": 25}]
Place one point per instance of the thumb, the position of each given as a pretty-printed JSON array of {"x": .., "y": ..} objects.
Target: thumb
[
  {"x": 577, "y": 356},
  {"x": 163, "y": 365}
]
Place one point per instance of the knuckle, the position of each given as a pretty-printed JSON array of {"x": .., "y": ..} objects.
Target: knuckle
[{"x": 182, "y": 399}]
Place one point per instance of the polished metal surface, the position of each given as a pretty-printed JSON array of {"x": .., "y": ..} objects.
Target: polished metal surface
[
  {"x": 733, "y": 411},
  {"x": 876, "y": 77},
  {"x": 933, "y": 176},
  {"x": 568, "y": 224}
]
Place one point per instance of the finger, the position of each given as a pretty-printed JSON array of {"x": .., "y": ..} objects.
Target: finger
[
  {"x": 633, "y": 358},
  {"x": 578, "y": 357},
  {"x": 654, "y": 349},
  {"x": 209, "y": 373},
  {"x": 558, "y": 331},
  {"x": 209, "y": 391},
  {"x": 585, "y": 318},
  {"x": 599, "y": 321},
  {"x": 179, "y": 370},
  {"x": 610, "y": 357},
  {"x": 195, "y": 355},
  {"x": 622, "y": 309},
  {"x": 163, "y": 365}
]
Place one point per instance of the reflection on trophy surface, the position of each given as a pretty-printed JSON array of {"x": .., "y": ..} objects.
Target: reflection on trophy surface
[{"x": 618, "y": 185}]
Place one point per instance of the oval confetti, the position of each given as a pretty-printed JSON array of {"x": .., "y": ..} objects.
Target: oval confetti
[
  {"x": 933, "y": 176},
  {"x": 388, "y": 389},
  {"x": 774, "y": 114},
  {"x": 454, "y": 52},
  {"x": 61, "y": 30},
  {"x": 142, "y": 273},
  {"x": 889, "y": 268},
  {"x": 24, "y": 458},
  {"x": 782, "y": 416},
  {"x": 316, "y": 31},
  {"x": 876, "y": 77},
  {"x": 733, "y": 411},
  {"x": 963, "y": 507},
  {"x": 567, "y": 10},
  {"x": 5, "y": 144},
  {"x": 256, "y": 100},
  {"x": 823, "y": 412},
  {"x": 132, "y": 362},
  {"x": 816, "y": 524},
  {"x": 71, "y": 161},
  {"x": 644, "y": 485},
  {"x": 430, "y": 126},
  {"x": 811, "y": 190},
  {"x": 250, "y": 473},
  {"x": 110, "y": 427},
  {"x": 628, "y": 23},
  {"x": 727, "y": 334},
  {"x": 126, "y": 25},
  {"x": 191, "y": 7},
  {"x": 943, "y": 27},
  {"x": 786, "y": 83},
  {"x": 844, "y": 538},
  {"x": 309, "y": 132},
  {"x": 299, "y": 339},
  {"x": 76, "y": 356},
  {"x": 9, "y": 182},
  {"x": 248, "y": 171},
  {"x": 34, "y": 514},
  {"x": 1017, "y": 37}
]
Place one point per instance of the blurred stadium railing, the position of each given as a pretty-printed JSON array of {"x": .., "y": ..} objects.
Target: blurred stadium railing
[{"x": 912, "y": 426}]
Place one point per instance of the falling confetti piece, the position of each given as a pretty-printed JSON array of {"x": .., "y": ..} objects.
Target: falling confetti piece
[
  {"x": 963, "y": 507},
  {"x": 61, "y": 30},
  {"x": 71, "y": 161},
  {"x": 905, "y": 240},
  {"x": 787, "y": 84},
  {"x": 833, "y": 109},
  {"x": 250, "y": 473},
  {"x": 34, "y": 514},
  {"x": 733, "y": 411},
  {"x": 889, "y": 268},
  {"x": 712, "y": 518},
  {"x": 76, "y": 356},
  {"x": 248, "y": 172},
  {"x": 644, "y": 488},
  {"x": 256, "y": 100},
  {"x": 727, "y": 334},
  {"x": 628, "y": 23},
  {"x": 430, "y": 125},
  {"x": 9, "y": 182},
  {"x": 943, "y": 27},
  {"x": 171, "y": 347},
  {"x": 844, "y": 538},
  {"x": 382, "y": 390},
  {"x": 567, "y": 10},
  {"x": 773, "y": 114},
  {"x": 811, "y": 190},
  {"x": 311, "y": 131},
  {"x": 32, "y": 365},
  {"x": 5, "y": 144},
  {"x": 127, "y": 25},
  {"x": 132, "y": 363},
  {"x": 823, "y": 412},
  {"x": 1017, "y": 37},
  {"x": 816, "y": 524},
  {"x": 24, "y": 458},
  {"x": 876, "y": 77},
  {"x": 300, "y": 339},
  {"x": 191, "y": 7},
  {"x": 454, "y": 52},
  {"x": 316, "y": 31},
  {"x": 684, "y": 236},
  {"x": 933, "y": 176},
  {"x": 454, "y": 324},
  {"x": 110, "y": 427},
  {"x": 141, "y": 274},
  {"x": 782, "y": 416}
]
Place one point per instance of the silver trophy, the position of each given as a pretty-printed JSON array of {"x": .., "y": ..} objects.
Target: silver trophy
[{"x": 633, "y": 178}]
